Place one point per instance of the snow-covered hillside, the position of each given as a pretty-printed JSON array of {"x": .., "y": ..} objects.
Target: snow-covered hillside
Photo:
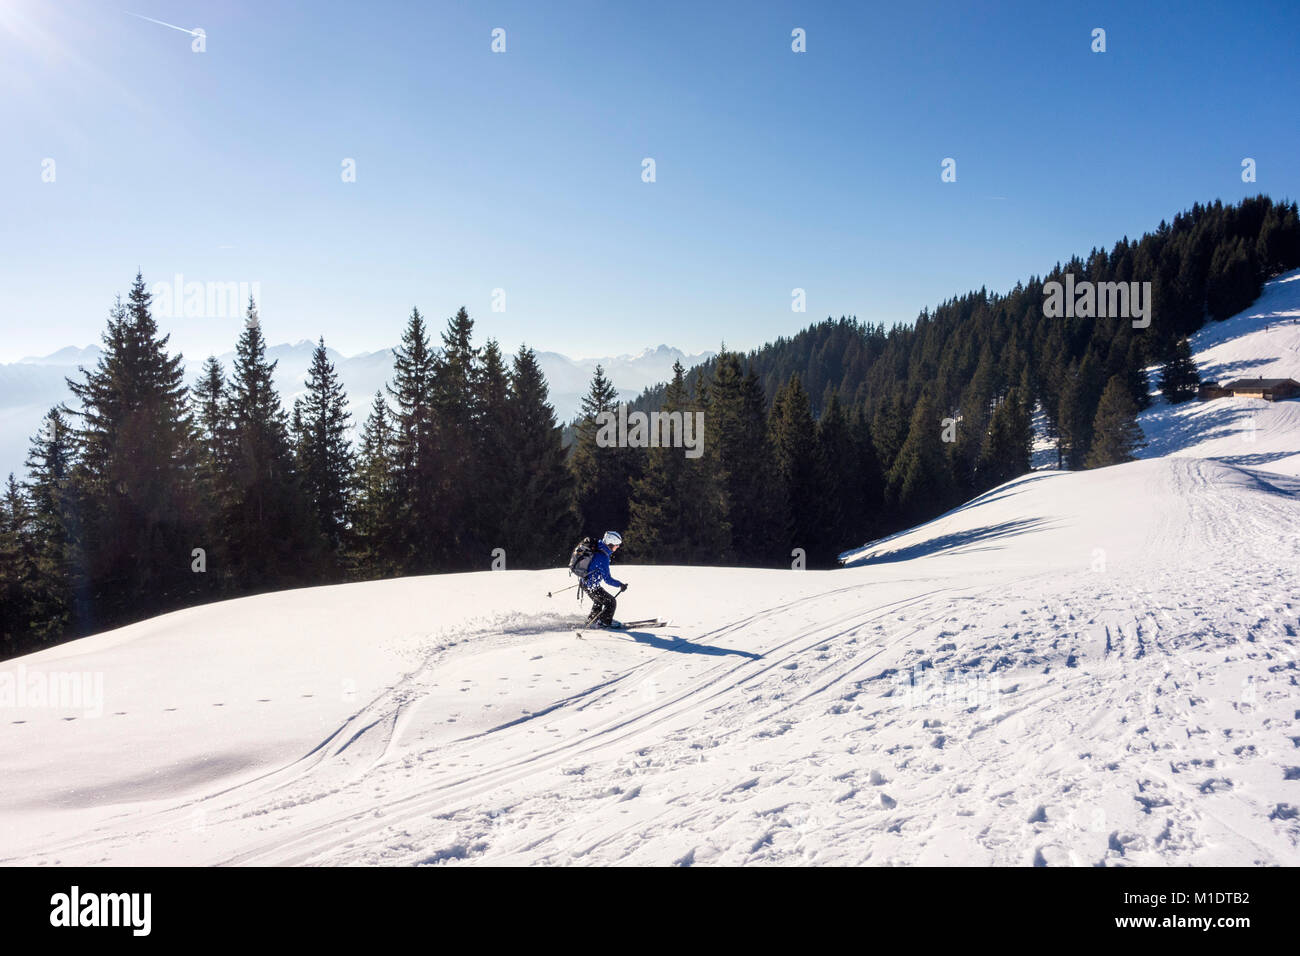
[
  {"x": 1261, "y": 342},
  {"x": 1075, "y": 668}
]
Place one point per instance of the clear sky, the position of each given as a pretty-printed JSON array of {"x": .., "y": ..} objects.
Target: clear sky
[{"x": 522, "y": 170}]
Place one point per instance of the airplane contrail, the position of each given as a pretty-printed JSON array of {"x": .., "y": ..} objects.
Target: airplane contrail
[{"x": 161, "y": 23}]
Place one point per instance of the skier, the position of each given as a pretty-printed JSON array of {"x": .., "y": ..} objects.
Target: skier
[{"x": 602, "y": 602}]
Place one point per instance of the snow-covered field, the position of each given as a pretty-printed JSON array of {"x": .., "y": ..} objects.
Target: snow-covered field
[{"x": 1073, "y": 669}]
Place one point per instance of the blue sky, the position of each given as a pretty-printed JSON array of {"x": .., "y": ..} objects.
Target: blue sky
[{"x": 522, "y": 170}]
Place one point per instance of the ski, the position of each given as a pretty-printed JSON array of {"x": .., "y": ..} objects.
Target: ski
[
  {"x": 648, "y": 622},
  {"x": 628, "y": 625}
]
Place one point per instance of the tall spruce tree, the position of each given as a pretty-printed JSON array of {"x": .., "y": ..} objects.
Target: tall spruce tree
[
  {"x": 601, "y": 475},
  {"x": 270, "y": 539},
  {"x": 870, "y": 481},
  {"x": 325, "y": 453},
  {"x": 1008, "y": 443},
  {"x": 52, "y": 534},
  {"x": 793, "y": 436},
  {"x": 1233, "y": 282},
  {"x": 494, "y": 457},
  {"x": 211, "y": 415},
  {"x": 1079, "y": 397},
  {"x": 136, "y": 470},
  {"x": 457, "y": 380},
  {"x": 17, "y": 571},
  {"x": 1116, "y": 432},
  {"x": 540, "y": 521},
  {"x": 210, "y": 401},
  {"x": 737, "y": 423},
  {"x": 889, "y": 429},
  {"x": 423, "y": 521},
  {"x": 376, "y": 513},
  {"x": 839, "y": 489},
  {"x": 1179, "y": 379},
  {"x": 678, "y": 508},
  {"x": 920, "y": 484}
]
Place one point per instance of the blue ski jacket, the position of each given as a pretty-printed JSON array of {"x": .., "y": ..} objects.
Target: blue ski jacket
[{"x": 598, "y": 568}]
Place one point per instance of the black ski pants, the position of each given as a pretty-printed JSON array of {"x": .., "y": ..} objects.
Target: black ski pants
[{"x": 602, "y": 605}]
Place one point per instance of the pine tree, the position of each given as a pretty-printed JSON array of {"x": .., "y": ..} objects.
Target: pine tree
[
  {"x": 1179, "y": 379},
  {"x": 889, "y": 429},
  {"x": 1278, "y": 246},
  {"x": 794, "y": 454},
  {"x": 209, "y": 399},
  {"x": 1135, "y": 375},
  {"x": 973, "y": 424},
  {"x": 1079, "y": 397},
  {"x": 269, "y": 535},
  {"x": 495, "y": 457},
  {"x": 457, "y": 379},
  {"x": 1116, "y": 432},
  {"x": 1008, "y": 443},
  {"x": 1233, "y": 281},
  {"x": 540, "y": 521},
  {"x": 920, "y": 484},
  {"x": 838, "y": 490},
  {"x": 211, "y": 415},
  {"x": 51, "y": 531},
  {"x": 297, "y": 433},
  {"x": 870, "y": 482},
  {"x": 136, "y": 471},
  {"x": 417, "y": 470},
  {"x": 738, "y": 429},
  {"x": 677, "y": 512},
  {"x": 325, "y": 454},
  {"x": 17, "y": 572},
  {"x": 375, "y": 509},
  {"x": 601, "y": 475}
]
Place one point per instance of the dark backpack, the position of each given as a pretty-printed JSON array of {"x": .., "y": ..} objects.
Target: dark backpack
[{"x": 581, "y": 557}]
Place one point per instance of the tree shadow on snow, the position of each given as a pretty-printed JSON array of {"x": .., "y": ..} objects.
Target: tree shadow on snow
[
  {"x": 958, "y": 541},
  {"x": 1225, "y": 372},
  {"x": 850, "y": 558},
  {"x": 1169, "y": 432},
  {"x": 682, "y": 646}
]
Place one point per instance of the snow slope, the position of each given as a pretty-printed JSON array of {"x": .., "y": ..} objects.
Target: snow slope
[
  {"x": 1260, "y": 342},
  {"x": 1075, "y": 668}
]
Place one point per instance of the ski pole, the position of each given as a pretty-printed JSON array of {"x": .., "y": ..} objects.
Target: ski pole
[{"x": 561, "y": 591}]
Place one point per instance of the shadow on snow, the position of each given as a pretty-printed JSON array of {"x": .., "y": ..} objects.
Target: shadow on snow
[{"x": 682, "y": 646}]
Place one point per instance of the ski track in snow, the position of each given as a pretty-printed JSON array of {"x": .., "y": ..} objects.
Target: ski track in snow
[{"x": 1074, "y": 669}]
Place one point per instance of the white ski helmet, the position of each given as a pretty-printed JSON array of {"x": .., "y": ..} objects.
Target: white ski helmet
[{"x": 612, "y": 538}]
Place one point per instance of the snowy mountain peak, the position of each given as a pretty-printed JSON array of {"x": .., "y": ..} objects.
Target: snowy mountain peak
[{"x": 69, "y": 356}]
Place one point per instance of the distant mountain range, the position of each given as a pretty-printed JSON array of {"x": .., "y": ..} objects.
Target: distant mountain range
[{"x": 31, "y": 386}]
